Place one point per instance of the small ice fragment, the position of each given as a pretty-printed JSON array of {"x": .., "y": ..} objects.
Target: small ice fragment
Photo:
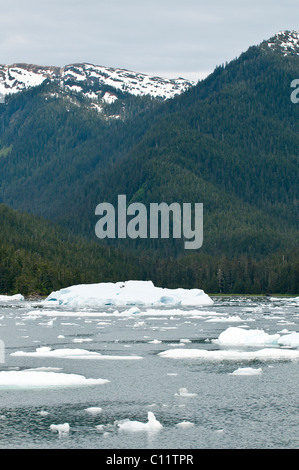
[
  {"x": 183, "y": 392},
  {"x": 81, "y": 340},
  {"x": 185, "y": 424},
  {"x": 247, "y": 371},
  {"x": 62, "y": 429},
  {"x": 100, "y": 427},
  {"x": 94, "y": 410},
  {"x": 136, "y": 426}
]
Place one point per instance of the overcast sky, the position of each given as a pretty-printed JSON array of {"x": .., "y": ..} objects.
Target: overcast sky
[{"x": 168, "y": 38}]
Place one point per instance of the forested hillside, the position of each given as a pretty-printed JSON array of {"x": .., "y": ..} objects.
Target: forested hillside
[{"x": 37, "y": 257}]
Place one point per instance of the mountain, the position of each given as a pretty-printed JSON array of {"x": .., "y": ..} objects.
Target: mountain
[
  {"x": 229, "y": 142},
  {"x": 89, "y": 80}
]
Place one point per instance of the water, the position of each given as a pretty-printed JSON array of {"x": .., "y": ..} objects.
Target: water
[{"x": 227, "y": 412}]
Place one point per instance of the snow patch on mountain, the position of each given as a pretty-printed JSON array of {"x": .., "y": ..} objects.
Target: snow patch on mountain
[
  {"x": 285, "y": 41},
  {"x": 88, "y": 79}
]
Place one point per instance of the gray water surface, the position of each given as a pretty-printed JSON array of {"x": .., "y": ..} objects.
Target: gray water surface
[{"x": 226, "y": 411}]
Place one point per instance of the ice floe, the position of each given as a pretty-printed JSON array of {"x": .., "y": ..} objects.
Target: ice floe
[
  {"x": 69, "y": 353},
  {"x": 141, "y": 293},
  {"x": 266, "y": 354},
  {"x": 42, "y": 379},
  {"x": 185, "y": 424},
  {"x": 11, "y": 298},
  {"x": 234, "y": 336},
  {"x": 183, "y": 392},
  {"x": 94, "y": 410},
  {"x": 238, "y": 337},
  {"x": 247, "y": 371},
  {"x": 290, "y": 340}
]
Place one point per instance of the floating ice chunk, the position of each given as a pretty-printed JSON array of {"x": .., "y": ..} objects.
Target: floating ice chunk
[
  {"x": 232, "y": 319},
  {"x": 42, "y": 379},
  {"x": 100, "y": 427},
  {"x": 62, "y": 429},
  {"x": 183, "y": 392},
  {"x": 290, "y": 340},
  {"x": 136, "y": 426},
  {"x": 11, "y": 298},
  {"x": 45, "y": 369},
  {"x": 247, "y": 371},
  {"x": 285, "y": 299},
  {"x": 49, "y": 323},
  {"x": 131, "y": 311},
  {"x": 266, "y": 354},
  {"x": 81, "y": 340},
  {"x": 185, "y": 424},
  {"x": 234, "y": 336},
  {"x": 94, "y": 410},
  {"x": 139, "y": 324},
  {"x": 124, "y": 294},
  {"x": 155, "y": 341},
  {"x": 44, "y": 413},
  {"x": 68, "y": 353}
]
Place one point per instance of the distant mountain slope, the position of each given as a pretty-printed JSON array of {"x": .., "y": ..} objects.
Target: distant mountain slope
[{"x": 230, "y": 142}]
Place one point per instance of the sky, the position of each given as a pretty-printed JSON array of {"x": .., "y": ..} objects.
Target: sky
[{"x": 167, "y": 38}]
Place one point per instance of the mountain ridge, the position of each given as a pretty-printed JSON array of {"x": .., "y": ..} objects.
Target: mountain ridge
[{"x": 88, "y": 79}]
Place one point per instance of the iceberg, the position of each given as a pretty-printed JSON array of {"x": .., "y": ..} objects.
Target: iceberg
[{"x": 128, "y": 293}]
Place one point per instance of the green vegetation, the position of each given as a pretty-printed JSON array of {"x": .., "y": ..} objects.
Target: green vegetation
[{"x": 4, "y": 151}]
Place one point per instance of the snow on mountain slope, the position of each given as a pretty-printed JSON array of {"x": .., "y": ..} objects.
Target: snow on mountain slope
[
  {"x": 285, "y": 41},
  {"x": 88, "y": 79}
]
